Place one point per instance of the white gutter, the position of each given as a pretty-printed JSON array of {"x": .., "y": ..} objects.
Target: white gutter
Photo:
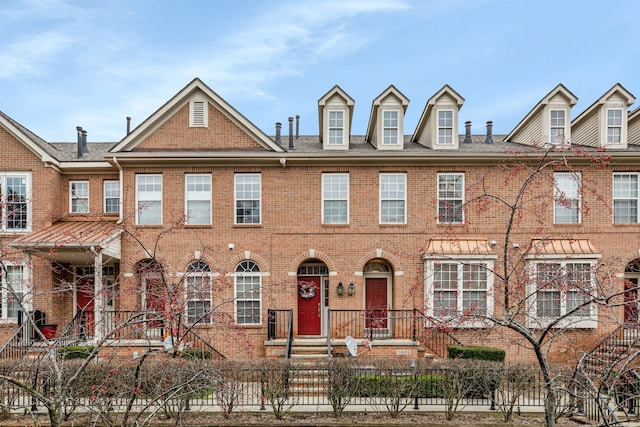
[{"x": 121, "y": 184}]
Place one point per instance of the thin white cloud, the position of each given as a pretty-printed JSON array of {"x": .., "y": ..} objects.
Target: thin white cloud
[{"x": 27, "y": 56}]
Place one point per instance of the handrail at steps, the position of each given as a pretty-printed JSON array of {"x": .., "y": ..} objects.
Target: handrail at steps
[
  {"x": 12, "y": 347},
  {"x": 287, "y": 353}
]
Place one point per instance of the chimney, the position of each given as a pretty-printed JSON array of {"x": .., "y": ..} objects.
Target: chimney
[
  {"x": 85, "y": 149},
  {"x": 80, "y": 150},
  {"x": 291, "y": 134},
  {"x": 297, "y": 126},
  {"x": 128, "y": 125},
  {"x": 467, "y": 132},
  {"x": 278, "y": 137},
  {"x": 489, "y": 138}
]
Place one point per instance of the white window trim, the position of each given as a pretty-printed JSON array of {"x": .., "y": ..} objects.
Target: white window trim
[
  {"x": 445, "y": 127},
  {"x": 4, "y": 293},
  {"x": 236, "y": 199},
  {"x": 104, "y": 194},
  {"x": 613, "y": 197},
  {"x": 380, "y": 199},
  {"x": 557, "y": 195},
  {"x": 236, "y": 274},
  {"x": 533, "y": 320},
  {"x": 202, "y": 121},
  {"x": 3, "y": 201},
  {"x": 73, "y": 196},
  {"x": 396, "y": 127},
  {"x": 330, "y": 128},
  {"x": 470, "y": 321},
  {"x": 565, "y": 131},
  {"x": 187, "y": 300},
  {"x": 438, "y": 219},
  {"x": 200, "y": 196},
  {"x": 138, "y": 199},
  {"x": 324, "y": 199},
  {"x": 621, "y": 127}
]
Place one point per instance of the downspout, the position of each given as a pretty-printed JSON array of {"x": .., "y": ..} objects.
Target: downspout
[
  {"x": 98, "y": 287},
  {"x": 121, "y": 184}
]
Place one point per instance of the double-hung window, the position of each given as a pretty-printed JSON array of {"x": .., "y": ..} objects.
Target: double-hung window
[
  {"x": 247, "y": 195},
  {"x": 393, "y": 198},
  {"x": 79, "y": 196},
  {"x": 564, "y": 289},
  {"x": 625, "y": 198},
  {"x": 111, "y": 193},
  {"x": 198, "y": 283},
  {"x": 248, "y": 293},
  {"x": 614, "y": 126},
  {"x": 148, "y": 199},
  {"x": 450, "y": 198},
  {"x": 13, "y": 289},
  {"x": 557, "y": 127},
  {"x": 335, "y": 198},
  {"x": 445, "y": 127},
  {"x": 15, "y": 201},
  {"x": 390, "y": 127},
  {"x": 567, "y": 197},
  {"x": 198, "y": 199},
  {"x": 336, "y": 127},
  {"x": 460, "y": 288}
]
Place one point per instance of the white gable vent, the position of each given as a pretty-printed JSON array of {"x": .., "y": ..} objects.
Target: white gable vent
[{"x": 198, "y": 114}]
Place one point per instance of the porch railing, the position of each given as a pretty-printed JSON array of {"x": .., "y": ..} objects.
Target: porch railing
[{"x": 18, "y": 345}]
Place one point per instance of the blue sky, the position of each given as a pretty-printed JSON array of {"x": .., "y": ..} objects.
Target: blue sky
[{"x": 65, "y": 63}]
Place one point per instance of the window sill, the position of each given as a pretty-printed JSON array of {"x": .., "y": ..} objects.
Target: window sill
[
  {"x": 568, "y": 323},
  {"x": 249, "y": 325},
  {"x": 247, "y": 225},
  {"x": 149, "y": 225},
  {"x": 190, "y": 226},
  {"x": 626, "y": 224},
  {"x": 451, "y": 224},
  {"x": 335, "y": 225},
  {"x": 404, "y": 224}
]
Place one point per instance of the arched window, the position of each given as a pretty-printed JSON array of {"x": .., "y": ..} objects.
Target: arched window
[
  {"x": 248, "y": 295},
  {"x": 198, "y": 287}
]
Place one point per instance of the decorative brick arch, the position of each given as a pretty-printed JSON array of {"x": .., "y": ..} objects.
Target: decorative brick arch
[
  {"x": 312, "y": 254},
  {"x": 389, "y": 257},
  {"x": 204, "y": 256},
  {"x": 245, "y": 255}
]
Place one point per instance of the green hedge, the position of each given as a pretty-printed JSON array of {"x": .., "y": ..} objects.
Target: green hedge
[
  {"x": 407, "y": 385},
  {"x": 75, "y": 352},
  {"x": 476, "y": 352}
]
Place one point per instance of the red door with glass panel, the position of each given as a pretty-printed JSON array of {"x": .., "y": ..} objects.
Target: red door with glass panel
[
  {"x": 309, "y": 305},
  {"x": 155, "y": 303},
  {"x": 85, "y": 296},
  {"x": 376, "y": 305},
  {"x": 631, "y": 301}
]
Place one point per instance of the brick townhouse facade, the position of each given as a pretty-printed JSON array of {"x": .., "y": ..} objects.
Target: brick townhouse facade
[{"x": 348, "y": 235}]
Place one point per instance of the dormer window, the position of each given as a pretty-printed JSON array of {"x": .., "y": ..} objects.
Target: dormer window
[
  {"x": 336, "y": 127},
  {"x": 557, "y": 127},
  {"x": 445, "y": 127},
  {"x": 390, "y": 119},
  {"x": 614, "y": 126},
  {"x": 198, "y": 113}
]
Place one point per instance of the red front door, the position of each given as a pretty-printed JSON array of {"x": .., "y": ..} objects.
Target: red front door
[
  {"x": 84, "y": 306},
  {"x": 631, "y": 301},
  {"x": 376, "y": 303},
  {"x": 309, "y": 309},
  {"x": 154, "y": 303}
]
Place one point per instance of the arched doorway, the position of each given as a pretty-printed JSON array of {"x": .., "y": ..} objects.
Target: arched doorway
[
  {"x": 631, "y": 294},
  {"x": 313, "y": 295},
  {"x": 378, "y": 285}
]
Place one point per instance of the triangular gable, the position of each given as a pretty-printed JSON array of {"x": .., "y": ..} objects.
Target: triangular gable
[
  {"x": 390, "y": 91},
  {"x": 426, "y": 113},
  {"x": 334, "y": 91},
  {"x": 31, "y": 141},
  {"x": 627, "y": 97},
  {"x": 179, "y": 105},
  {"x": 561, "y": 90}
]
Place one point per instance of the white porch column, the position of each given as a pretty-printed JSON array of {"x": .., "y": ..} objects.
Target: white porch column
[{"x": 98, "y": 302}]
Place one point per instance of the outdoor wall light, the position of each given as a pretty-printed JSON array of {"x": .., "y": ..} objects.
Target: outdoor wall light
[
  {"x": 351, "y": 290},
  {"x": 340, "y": 289}
]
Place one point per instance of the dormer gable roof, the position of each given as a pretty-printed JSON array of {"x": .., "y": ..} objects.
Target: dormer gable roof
[
  {"x": 618, "y": 89},
  {"x": 195, "y": 88},
  {"x": 592, "y": 127},
  {"x": 322, "y": 102},
  {"x": 30, "y": 140},
  {"x": 446, "y": 90},
  {"x": 559, "y": 90},
  {"x": 375, "y": 105}
]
